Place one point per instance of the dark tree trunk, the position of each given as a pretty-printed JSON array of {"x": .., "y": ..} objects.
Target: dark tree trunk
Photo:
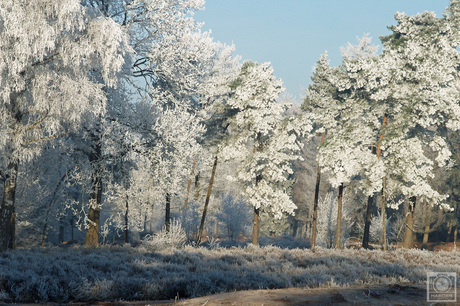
[
  {"x": 197, "y": 187},
  {"x": 367, "y": 224},
  {"x": 338, "y": 231},
  {"x": 255, "y": 227},
  {"x": 256, "y": 223},
  {"x": 206, "y": 203},
  {"x": 408, "y": 242},
  {"x": 449, "y": 231},
  {"x": 61, "y": 231},
  {"x": 151, "y": 219},
  {"x": 126, "y": 227},
  {"x": 295, "y": 228},
  {"x": 384, "y": 225},
  {"x": 426, "y": 234},
  {"x": 168, "y": 213},
  {"x": 7, "y": 209},
  {"x": 315, "y": 203}
]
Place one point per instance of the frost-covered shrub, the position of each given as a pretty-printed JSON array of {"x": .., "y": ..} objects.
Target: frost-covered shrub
[{"x": 176, "y": 238}]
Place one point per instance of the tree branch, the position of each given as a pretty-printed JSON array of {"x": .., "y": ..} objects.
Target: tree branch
[{"x": 37, "y": 122}]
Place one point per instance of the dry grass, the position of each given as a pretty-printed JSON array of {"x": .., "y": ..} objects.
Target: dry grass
[{"x": 128, "y": 273}]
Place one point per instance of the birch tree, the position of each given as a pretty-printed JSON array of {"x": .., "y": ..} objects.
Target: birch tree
[{"x": 48, "y": 49}]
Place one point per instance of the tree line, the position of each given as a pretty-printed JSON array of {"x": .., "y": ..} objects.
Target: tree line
[{"x": 112, "y": 109}]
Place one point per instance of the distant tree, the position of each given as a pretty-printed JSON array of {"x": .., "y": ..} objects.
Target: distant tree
[{"x": 233, "y": 213}]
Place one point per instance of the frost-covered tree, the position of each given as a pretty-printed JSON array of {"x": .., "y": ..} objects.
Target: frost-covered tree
[
  {"x": 176, "y": 68},
  {"x": 419, "y": 93},
  {"x": 342, "y": 111},
  {"x": 401, "y": 104},
  {"x": 317, "y": 103},
  {"x": 262, "y": 141},
  {"x": 48, "y": 52}
]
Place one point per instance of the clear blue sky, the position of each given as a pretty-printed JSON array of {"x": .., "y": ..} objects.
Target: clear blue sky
[{"x": 292, "y": 34}]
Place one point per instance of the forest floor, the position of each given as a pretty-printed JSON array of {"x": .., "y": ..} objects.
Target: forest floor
[{"x": 216, "y": 274}]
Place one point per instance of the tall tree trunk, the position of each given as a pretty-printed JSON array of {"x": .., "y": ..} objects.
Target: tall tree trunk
[
  {"x": 315, "y": 203},
  {"x": 7, "y": 209},
  {"x": 425, "y": 237},
  {"x": 295, "y": 228},
  {"x": 95, "y": 196},
  {"x": 338, "y": 230},
  {"x": 384, "y": 224},
  {"x": 408, "y": 242},
  {"x": 206, "y": 203},
  {"x": 126, "y": 227},
  {"x": 370, "y": 199},
  {"x": 92, "y": 234},
  {"x": 61, "y": 231},
  {"x": 367, "y": 224},
  {"x": 449, "y": 231},
  {"x": 426, "y": 222},
  {"x": 168, "y": 213},
  {"x": 197, "y": 187},
  {"x": 455, "y": 235},
  {"x": 255, "y": 227},
  {"x": 151, "y": 219},
  {"x": 189, "y": 184},
  {"x": 256, "y": 221},
  {"x": 305, "y": 229}
]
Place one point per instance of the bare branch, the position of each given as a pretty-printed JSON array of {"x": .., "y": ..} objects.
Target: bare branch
[{"x": 35, "y": 124}]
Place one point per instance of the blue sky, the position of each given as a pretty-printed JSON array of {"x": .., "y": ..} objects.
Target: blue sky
[{"x": 292, "y": 34}]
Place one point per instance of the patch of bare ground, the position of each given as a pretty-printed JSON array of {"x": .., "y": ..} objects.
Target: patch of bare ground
[
  {"x": 391, "y": 295},
  {"x": 388, "y": 295}
]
